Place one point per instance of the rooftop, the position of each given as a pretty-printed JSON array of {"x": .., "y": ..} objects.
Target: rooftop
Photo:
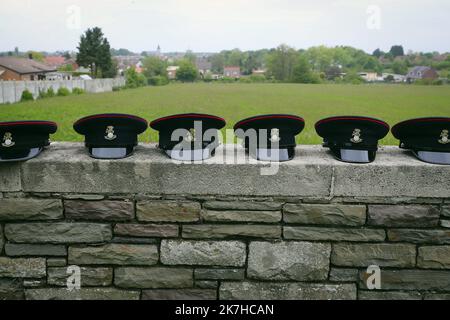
[{"x": 24, "y": 66}]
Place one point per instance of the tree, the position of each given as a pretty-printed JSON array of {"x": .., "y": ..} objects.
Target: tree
[
  {"x": 397, "y": 51},
  {"x": 187, "y": 72},
  {"x": 281, "y": 61},
  {"x": 134, "y": 79},
  {"x": 399, "y": 67},
  {"x": 67, "y": 55},
  {"x": 302, "y": 71},
  {"x": 154, "y": 66},
  {"x": 38, "y": 56},
  {"x": 377, "y": 53},
  {"x": 112, "y": 71},
  {"x": 94, "y": 51}
]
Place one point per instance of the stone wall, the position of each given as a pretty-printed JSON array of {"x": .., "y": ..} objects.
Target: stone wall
[
  {"x": 147, "y": 228},
  {"x": 11, "y": 91}
]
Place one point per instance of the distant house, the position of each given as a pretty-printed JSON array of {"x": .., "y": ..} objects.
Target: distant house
[
  {"x": 55, "y": 61},
  {"x": 397, "y": 78},
  {"x": 172, "y": 72},
  {"x": 203, "y": 66},
  {"x": 13, "y": 68},
  {"x": 60, "y": 61},
  {"x": 59, "y": 75},
  {"x": 370, "y": 76},
  {"x": 232, "y": 72},
  {"x": 421, "y": 72},
  {"x": 259, "y": 72}
]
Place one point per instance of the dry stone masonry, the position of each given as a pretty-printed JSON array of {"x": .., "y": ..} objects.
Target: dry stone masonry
[{"x": 148, "y": 228}]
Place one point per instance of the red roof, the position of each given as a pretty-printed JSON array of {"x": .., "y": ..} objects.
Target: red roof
[
  {"x": 232, "y": 68},
  {"x": 54, "y": 61}
]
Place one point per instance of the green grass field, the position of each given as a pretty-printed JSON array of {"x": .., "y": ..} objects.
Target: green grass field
[{"x": 391, "y": 103}]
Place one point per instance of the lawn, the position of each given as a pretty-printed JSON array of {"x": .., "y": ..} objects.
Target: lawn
[{"x": 391, "y": 103}]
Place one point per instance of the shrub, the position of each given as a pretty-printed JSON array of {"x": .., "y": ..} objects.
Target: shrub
[
  {"x": 77, "y": 91},
  {"x": 50, "y": 93},
  {"x": 117, "y": 88},
  {"x": 62, "y": 92},
  {"x": 227, "y": 80},
  {"x": 257, "y": 78},
  {"x": 134, "y": 79},
  {"x": 158, "y": 81},
  {"x": 26, "y": 96},
  {"x": 42, "y": 94},
  {"x": 245, "y": 80}
]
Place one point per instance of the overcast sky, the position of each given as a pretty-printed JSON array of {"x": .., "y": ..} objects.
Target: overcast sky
[{"x": 214, "y": 25}]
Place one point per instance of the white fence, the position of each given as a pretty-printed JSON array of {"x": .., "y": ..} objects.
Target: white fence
[{"x": 11, "y": 91}]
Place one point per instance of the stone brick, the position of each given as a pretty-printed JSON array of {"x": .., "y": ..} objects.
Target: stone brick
[
  {"x": 90, "y": 277},
  {"x": 99, "y": 210},
  {"x": 302, "y": 261},
  {"x": 446, "y": 211},
  {"x": 117, "y": 254},
  {"x": 60, "y": 232},
  {"x": 348, "y": 215},
  {"x": 13, "y": 249},
  {"x": 153, "y": 278},
  {"x": 419, "y": 236},
  {"x": 219, "y": 274},
  {"x": 221, "y": 231},
  {"x": 218, "y": 253},
  {"x": 389, "y": 295},
  {"x": 22, "y": 268},
  {"x": 10, "y": 177},
  {"x": 179, "y": 294},
  {"x": 146, "y": 230},
  {"x": 82, "y": 294},
  {"x": 2, "y": 239},
  {"x": 56, "y": 262},
  {"x": 168, "y": 211},
  {"x": 403, "y": 216},
  {"x": 445, "y": 223},
  {"x": 30, "y": 209},
  {"x": 382, "y": 254},
  {"x": 241, "y": 216},
  {"x": 344, "y": 275},
  {"x": 286, "y": 291},
  {"x": 135, "y": 240},
  {"x": 34, "y": 283},
  {"x": 437, "y": 296},
  {"x": 411, "y": 280},
  {"x": 434, "y": 257},
  {"x": 11, "y": 289},
  {"x": 89, "y": 197},
  {"x": 243, "y": 205},
  {"x": 334, "y": 234},
  {"x": 206, "y": 284}
]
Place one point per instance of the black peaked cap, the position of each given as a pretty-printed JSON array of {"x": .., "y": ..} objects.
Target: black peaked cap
[
  {"x": 288, "y": 125},
  {"x": 110, "y": 131},
  {"x": 352, "y": 138},
  {"x": 168, "y": 124},
  {"x": 23, "y": 140}
]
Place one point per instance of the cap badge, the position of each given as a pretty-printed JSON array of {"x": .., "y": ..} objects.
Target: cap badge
[
  {"x": 444, "y": 137},
  {"x": 8, "y": 140},
  {"x": 190, "y": 135},
  {"x": 356, "y": 136},
  {"x": 110, "y": 133},
  {"x": 275, "y": 135}
]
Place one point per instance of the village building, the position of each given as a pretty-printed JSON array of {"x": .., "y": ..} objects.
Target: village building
[
  {"x": 420, "y": 73},
  {"x": 14, "y": 68},
  {"x": 232, "y": 72}
]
